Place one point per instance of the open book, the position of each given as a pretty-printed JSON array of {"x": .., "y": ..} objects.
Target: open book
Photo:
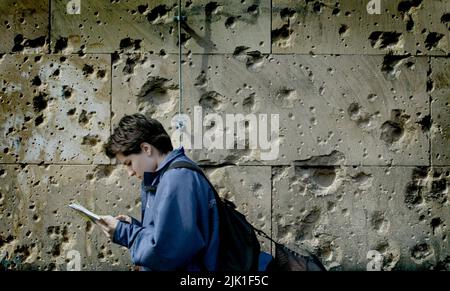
[{"x": 84, "y": 212}]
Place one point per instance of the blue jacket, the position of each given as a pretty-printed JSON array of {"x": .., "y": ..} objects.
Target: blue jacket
[{"x": 180, "y": 221}]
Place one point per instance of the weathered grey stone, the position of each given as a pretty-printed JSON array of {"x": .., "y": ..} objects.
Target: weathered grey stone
[
  {"x": 365, "y": 109},
  {"x": 24, "y": 26},
  {"x": 54, "y": 109},
  {"x": 440, "y": 111},
  {"x": 346, "y": 27},
  {"x": 38, "y": 226},
  {"x": 210, "y": 27},
  {"x": 343, "y": 214}
]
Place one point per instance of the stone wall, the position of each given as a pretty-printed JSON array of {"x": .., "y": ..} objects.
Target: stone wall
[{"x": 363, "y": 171}]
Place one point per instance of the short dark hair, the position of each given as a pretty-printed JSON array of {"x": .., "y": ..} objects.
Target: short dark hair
[{"x": 132, "y": 131}]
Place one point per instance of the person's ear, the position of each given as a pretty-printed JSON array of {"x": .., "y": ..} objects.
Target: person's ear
[{"x": 146, "y": 148}]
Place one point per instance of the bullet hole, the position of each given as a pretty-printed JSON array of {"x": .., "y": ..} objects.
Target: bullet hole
[
  {"x": 2, "y": 173},
  {"x": 20, "y": 43},
  {"x": 413, "y": 195},
  {"x": 378, "y": 221},
  {"x": 40, "y": 102},
  {"x": 185, "y": 38},
  {"x": 336, "y": 9},
  {"x": 445, "y": 19},
  {"x": 307, "y": 223},
  {"x": 372, "y": 97},
  {"x": 384, "y": 39},
  {"x": 67, "y": 92},
  {"x": 130, "y": 64},
  {"x": 211, "y": 101},
  {"x": 410, "y": 65},
  {"x": 155, "y": 91},
  {"x": 324, "y": 177},
  {"x": 240, "y": 53},
  {"x": 36, "y": 81},
  {"x": 81, "y": 52},
  {"x": 421, "y": 252},
  {"x": 254, "y": 61},
  {"x": 317, "y": 7},
  {"x": 286, "y": 97},
  {"x": 438, "y": 191},
  {"x": 62, "y": 59},
  {"x": 39, "y": 120},
  {"x": 36, "y": 217},
  {"x": 128, "y": 43},
  {"x": 433, "y": 39},
  {"x": 101, "y": 74},
  {"x": 142, "y": 8},
  {"x": 158, "y": 14},
  {"x": 211, "y": 8},
  {"x": 201, "y": 81},
  {"x": 115, "y": 57},
  {"x": 249, "y": 102},
  {"x": 90, "y": 140},
  {"x": 363, "y": 180},
  {"x": 88, "y": 70},
  {"x": 391, "y": 132},
  {"x": 230, "y": 22},
  {"x": 287, "y": 13},
  {"x": 56, "y": 250},
  {"x": 357, "y": 114},
  {"x": 410, "y": 24},
  {"x": 71, "y": 111},
  {"x": 56, "y": 73},
  {"x": 61, "y": 44},
  {"x": 407, "y": 6},
  {"x": 84, "y": 118},
  {"x": 89, "y": 227},
  {"x": 435, "y": 224},
  {"x": 22, "y": 251},
  {"x": 282, "y": 34},
  {"x": 253, "y": 10},
  {"x": 103, "y": 171},
  {"x": 37, "y": 59},
  {"x": 391, "y": 66},
  {"x": 426, "y": 123},
  {"x": 343, "y": 30}
]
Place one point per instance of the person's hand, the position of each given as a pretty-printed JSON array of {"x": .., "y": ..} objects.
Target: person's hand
[
  {"x": 124, "y": 218},
  {"x": 108, "y": 225}
]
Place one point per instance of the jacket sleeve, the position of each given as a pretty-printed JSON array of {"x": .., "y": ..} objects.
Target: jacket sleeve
[
  {"x": 135, "y": 221},
  {"x": 175, "y": 237}
]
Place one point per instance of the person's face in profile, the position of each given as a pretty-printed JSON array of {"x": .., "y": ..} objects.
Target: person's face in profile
[{"x": 137, "y": 164}]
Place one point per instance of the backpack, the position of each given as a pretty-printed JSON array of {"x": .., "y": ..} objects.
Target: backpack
[{"x": 239, "y": 247}]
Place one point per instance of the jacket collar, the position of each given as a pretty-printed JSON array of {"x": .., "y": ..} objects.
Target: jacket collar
[{"x": 149, "y": 177}]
